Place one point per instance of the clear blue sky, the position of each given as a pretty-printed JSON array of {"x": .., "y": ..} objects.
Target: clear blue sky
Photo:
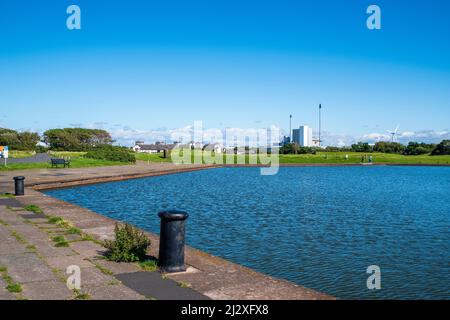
[{"x": 149, "y": 65}]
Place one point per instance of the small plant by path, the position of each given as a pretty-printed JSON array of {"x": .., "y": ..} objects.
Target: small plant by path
[
  {"x": 33, "y": 208},
  {"x": 81, "y": 295},
  {"x": 103, "y": 269},
  {"x": 11, "y": 285},
  {"x": 7, "y": 195},
  {"x": 149, "y": 265},
  {"x": 129, "y": 244},
  {"x": 14, "y": 288},
  {"x": 60, "y": 241},
  {"x": 31, "y": 247},
  {"x": 183, "y": 284},
  {"x": 18, "y": 237},
  {"x": 74, "y": 230}
]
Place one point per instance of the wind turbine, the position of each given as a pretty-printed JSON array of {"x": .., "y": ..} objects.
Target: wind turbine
[{"x": 393, "y": 134}]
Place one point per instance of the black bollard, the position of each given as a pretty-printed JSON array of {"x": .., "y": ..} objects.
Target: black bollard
[
  {"x": 19, "y": 186},
  {"x": 172, "y": 240},
  {"x": 165, "y": 153}
]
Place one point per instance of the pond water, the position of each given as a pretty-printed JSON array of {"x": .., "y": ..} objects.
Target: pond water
[{"x": 320, "y": 227}]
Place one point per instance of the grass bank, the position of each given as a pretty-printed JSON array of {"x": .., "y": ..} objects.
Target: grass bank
[
  {"x": 322, "y": 158},
  {"x": 76, "y": 161}
]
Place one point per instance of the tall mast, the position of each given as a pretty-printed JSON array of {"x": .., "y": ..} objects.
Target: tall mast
[
  {"x": 290, "y": 128},
  {"x": 320, "y": 122}
]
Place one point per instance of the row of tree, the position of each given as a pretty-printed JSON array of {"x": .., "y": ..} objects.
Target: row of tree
[
  {"x": 68, "y": 139},
  {"x": 413, "y": 148},
  {"x": 18, "y": 140}
]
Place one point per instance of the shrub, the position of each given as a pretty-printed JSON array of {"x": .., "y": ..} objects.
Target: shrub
[
  {"x": 442, "y": 148},
  {"x": 111, "y": 153},
  {"x": 415, "y": 148},
  {"x": 361, "y": 147},
  {"x": 388, "y": 147},
  {"x": 40, "y": 149},
  {"x": 129, "y": 244}
]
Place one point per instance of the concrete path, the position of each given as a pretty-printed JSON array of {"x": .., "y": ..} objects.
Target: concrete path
[
  {"x": 32, "y": 266},
  {"x": 37, "y": 158}
]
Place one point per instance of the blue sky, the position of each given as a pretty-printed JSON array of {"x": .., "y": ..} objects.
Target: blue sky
[{"x": 143, "y": 68}]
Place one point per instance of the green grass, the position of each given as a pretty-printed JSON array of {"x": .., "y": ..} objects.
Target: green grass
[
  {"x": 74, "y": 230},
  {"x": 319, "y": 158},
  {"x": 355, "y": 157},
  {"x": 33, "y": 208},
  {"x": 11, "y": 286},
  {"x": 31, "y": 247},
  {"x": 54, "y": 219},
  {"x": 81, "y": 295},
  {"x": 65, "y": 154},
  {"x": 21, "y": 154},
  {"x": 103, "y": 269},
  {"x": 75, "y": 162},
  {"x": 149, "y": 265},
  {"x": 18, "y": 237},
  {"x": 151, "y": 157},
  {"x": 60, "y": 241},
  {"x": 183, "y": 284},
  {"x": 7, "y": 195},
  {"x": 14, "y": 287}
]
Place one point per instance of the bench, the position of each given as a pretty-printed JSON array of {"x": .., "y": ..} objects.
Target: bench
[{"x": 55, "y": 162}]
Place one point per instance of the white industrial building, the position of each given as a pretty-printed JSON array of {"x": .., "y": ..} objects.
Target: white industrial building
[{"x": 303, "y": 136}]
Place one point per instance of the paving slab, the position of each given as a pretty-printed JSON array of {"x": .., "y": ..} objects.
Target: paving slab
[
  {"x": 9, "y": 248},
  {"x": 62, "y": 262},
  {"x": 26, "y": 267},
  {"x": 48, "y": 250},
  {"x": 35, "y": 218},
  {"x": 72, "y": 237},
  {"x": 94, "y": 277},
  {"x": 30, "y": 233},
  {"x": 88, "y": 249},
  {"x": 117, "y": 267},
  {"x": 10, "y": 217},
  {"x": 151, "y": 284},
  {"x": 47, "y": 290},
  {"x": 112, "y": 292},
  {"x": 10, "y": 202}
]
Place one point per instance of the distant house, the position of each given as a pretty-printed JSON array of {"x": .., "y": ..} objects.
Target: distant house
[
  {"x": 152, "y": 148},
  {"x": 196, "y": 145},
  {"x": 216, "y": 147}
]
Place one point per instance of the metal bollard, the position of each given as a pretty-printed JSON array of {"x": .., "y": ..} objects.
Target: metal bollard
[
  {"x": 19, "y": 185},
  {"x": 172, "y": 240}
]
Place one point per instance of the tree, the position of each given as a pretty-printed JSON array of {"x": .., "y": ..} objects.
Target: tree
[
  {"x": 415, "y": 148},
  {"x": 388, "y": 147},
  {"x": 442, "y": 148},
  {"x": 19, "y": 140},
  {"x": 361, "y": 147},
  {"x": 76, "y": 139},
  {"x": 293, "y": 148}
]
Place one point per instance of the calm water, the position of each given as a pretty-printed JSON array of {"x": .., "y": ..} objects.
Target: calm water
[{"x": 320, "y": 227}]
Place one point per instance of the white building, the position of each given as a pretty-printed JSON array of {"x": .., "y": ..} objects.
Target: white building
[
  {"x": 303, "y": 136},
  {"x": 216, "y": 147}
]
